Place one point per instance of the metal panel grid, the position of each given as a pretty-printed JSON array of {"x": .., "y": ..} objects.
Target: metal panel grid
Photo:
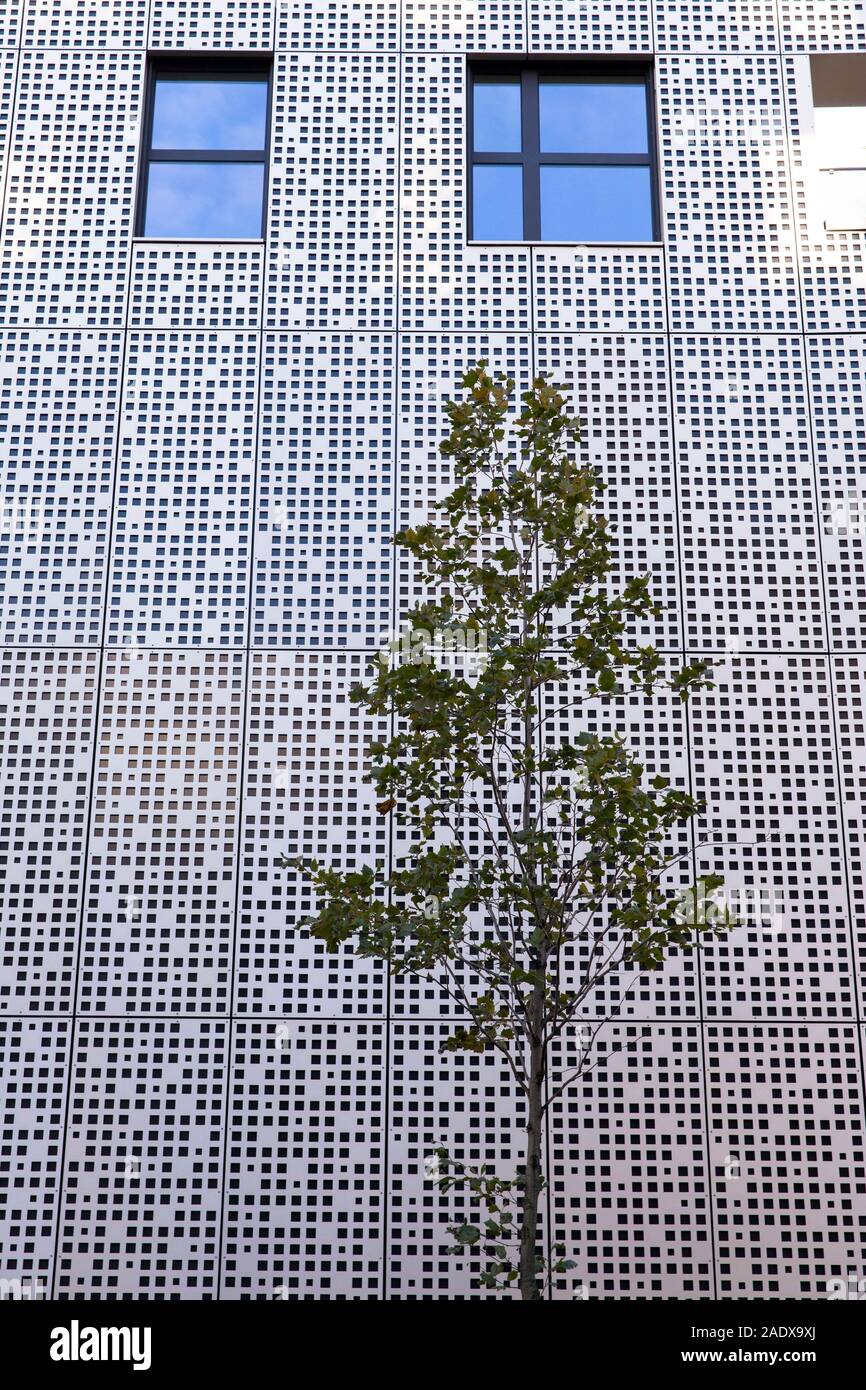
[
  {"x": 142, "y": 1174},
  {"x": 700, "y": 26},
  {"x": 48, "y": 701},
  {"x": 304, "y": 794},
  {"x": 726, "y": 193},
  {"x": 34, "y": 1057},
  {"x": 10, "y": 23},
  {"x": 96, "y": 24},
  {"x": 183, "y": 499},
  {"x": 323, "y": 554},
  {"x": 206, "y": 447},
  {"x": 824, "y": 27},
  {"x": 749, "y": 515},
  {"x": 204, "y": 24},
  {"x": 609, "y": 26},
  {"x": 305, "y": 1166},
  {"x": 630, "y": 1181},
  {"x": 319, "y": 25},
  {"x": 70, "y": 185},
  {"x": 59, "y": 395}
]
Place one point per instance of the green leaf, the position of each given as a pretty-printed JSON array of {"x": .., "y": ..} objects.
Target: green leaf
[{"x": 468, "y": 1235}]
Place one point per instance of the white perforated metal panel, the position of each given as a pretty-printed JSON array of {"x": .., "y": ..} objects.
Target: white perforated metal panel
[
  {"x": 96, "y": 24},
  {"x": 786, "y": 1157},
  {"x": 184, "y": 494},
  {"x": 204, "y": 24},
  {"x": 304, "y": 796},
  {"x": 142, "y": 1175},
  {"x": 610, "y": 26},
  {"x": 59, "y": 395},
  {"x": 306, "y": 1161},
  {"x": 70, "y": 187},
  {"x": 206, "y": 448},
  {"x": 48, "y": 701},
  {"x": 34, "y": 1057},
  {"x": 160, "y": 891}
]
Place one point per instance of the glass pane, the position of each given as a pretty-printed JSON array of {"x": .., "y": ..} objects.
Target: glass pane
[
  {"x": 497, "y": 202},
  {"x": 592, "y": 117},
  {"x": 496, "y": 116},
  {"x": 209, "y": 115},
  {"x": 595, "y": 203},
  {"x": 207, "y": 200}
]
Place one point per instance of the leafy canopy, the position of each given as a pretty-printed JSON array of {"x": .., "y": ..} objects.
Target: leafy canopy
[{"x": 572, "y": 841}]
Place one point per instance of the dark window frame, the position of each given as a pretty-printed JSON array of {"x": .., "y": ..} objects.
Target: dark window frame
[
  {"x": 530, "y": 157},
  {"x": 202, "y": 67}
]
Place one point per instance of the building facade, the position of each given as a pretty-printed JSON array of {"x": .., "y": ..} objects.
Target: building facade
[{"x": 207, "y": 444}]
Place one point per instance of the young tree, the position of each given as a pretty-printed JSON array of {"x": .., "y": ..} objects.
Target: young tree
[{"x": 574, "y": 844}]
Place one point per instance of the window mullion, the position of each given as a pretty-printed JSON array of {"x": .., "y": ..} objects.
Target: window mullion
[
  {"x": 529, "y": 126},
  {"x": 208, "y": 156}
]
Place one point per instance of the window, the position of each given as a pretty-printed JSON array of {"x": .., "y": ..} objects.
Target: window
[
  {"x": 207, "y": 137},
  {"x": 839, "y": 100},
  {"x": 561, "y": 153}
]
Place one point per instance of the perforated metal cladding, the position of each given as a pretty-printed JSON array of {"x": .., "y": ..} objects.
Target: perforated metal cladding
[
  {"x": 204, "y": 24},
  {"x": 333, "y": 191},
  {"x": 610, "y": 26},
  {"x": 599, "y": 289},
  {"x": 193, "y": 286},
  {"x": 8, "y": 58},
  {"x": 34, "y": 1061},
  {"x": 434, "y": 1094},
  {"x": 96, "y": 24},
  {"x": 725, "y": 193},
  {"x": 837, "y": 372},
  {"x": 159, "y": 899},
  {"x": 830, "y": 26},
  {"x": 786, "y": 1157},
  {"x": 325, "y": 504},
  {"x": 655, "y": 732},
  {"x": 304, "y": 796},
  {"x": 630, "y": 1186},
  {"x": 338, "y": 24},
  {"x": 764, "y": 760},
  {"x": 70, "y": 188},
  {"x": 750, "y": 520},
  {"x": 207, "y": 447},
  {"x": 701, "y": 26},
  {"x": 59, "y": 395},
  {"x": 464, "y": 26},
  {"x": 48, "y": 704},
  {"x": 184, "y": 491},
  {"x": 142, "y": 1179},
  {"x": 10, "y": 23},
  {"x": 306, "y": 1161},
  {"x": 848, "y": 673},
  {"x": 620, "y": 390}
]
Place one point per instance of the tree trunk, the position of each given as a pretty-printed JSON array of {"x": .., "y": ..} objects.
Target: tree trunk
[
  {"x": 528, "y": 1273},
  {"x": 529, "y": 1287}
]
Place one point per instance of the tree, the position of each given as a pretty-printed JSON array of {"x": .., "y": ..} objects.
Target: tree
[{"x": 574, "y": 843}]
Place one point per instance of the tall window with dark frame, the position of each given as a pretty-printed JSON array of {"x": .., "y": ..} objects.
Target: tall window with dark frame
[
  {"x": 561, "y": 153},
  {"x": 206, "y": 152}
]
